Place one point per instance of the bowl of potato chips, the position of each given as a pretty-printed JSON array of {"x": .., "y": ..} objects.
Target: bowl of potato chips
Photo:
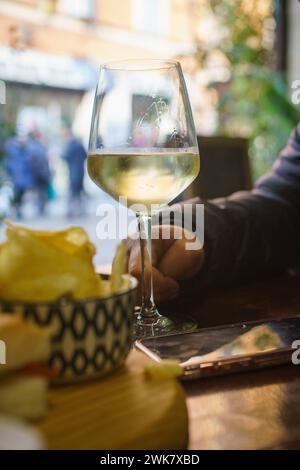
[{"x": 49, "y": 278}]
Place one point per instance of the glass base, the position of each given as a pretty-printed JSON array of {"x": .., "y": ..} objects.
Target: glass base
[{"x": 161, "y": 326}]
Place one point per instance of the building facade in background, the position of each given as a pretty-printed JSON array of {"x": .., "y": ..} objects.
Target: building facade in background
[
  {"x": 50, "y": 52},
  {"x": 58, "y": 44}
]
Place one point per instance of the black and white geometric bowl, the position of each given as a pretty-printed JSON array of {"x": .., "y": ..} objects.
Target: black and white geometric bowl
[{"x": 91, "y": 337}]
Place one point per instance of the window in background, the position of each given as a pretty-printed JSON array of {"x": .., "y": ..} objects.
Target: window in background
[
  {"x": 151, "y": 16},
  {"x": 78, "y": 8}
]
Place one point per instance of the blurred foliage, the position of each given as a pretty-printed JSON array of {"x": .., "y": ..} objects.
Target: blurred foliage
[
  {"x": 255, "y": 102},
  {"x": 257, "y": 105}
]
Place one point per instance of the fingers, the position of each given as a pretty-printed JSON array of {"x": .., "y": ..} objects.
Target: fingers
[
  {"x": 159, "y": 247},
  {"x": 171, "y": 261},
  {"x": 171, "y": 256},
  {"x": 180, "y": 263},
  {"x": 165, "y": 287}
]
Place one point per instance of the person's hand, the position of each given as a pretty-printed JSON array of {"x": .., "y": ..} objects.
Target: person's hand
[{"x": 171, "y": 261}]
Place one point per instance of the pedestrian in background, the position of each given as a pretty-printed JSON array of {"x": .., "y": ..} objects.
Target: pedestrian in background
[
  {"x": 17, "y": 165},
  {"x": 39, "y": 167},
  {"x": 75, "y": 156}
]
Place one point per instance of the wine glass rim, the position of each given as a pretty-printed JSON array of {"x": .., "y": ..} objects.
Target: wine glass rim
[{"x": 140, "y": 65}]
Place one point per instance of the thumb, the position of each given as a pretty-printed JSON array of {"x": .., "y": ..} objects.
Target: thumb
[{"x": 165, "y": 287}]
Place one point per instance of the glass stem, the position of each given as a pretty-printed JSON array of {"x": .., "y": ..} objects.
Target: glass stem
[{"x": 148, "y": 311}]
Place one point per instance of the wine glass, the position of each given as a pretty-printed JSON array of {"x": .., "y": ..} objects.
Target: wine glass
[{"x": 143, "y": 147}]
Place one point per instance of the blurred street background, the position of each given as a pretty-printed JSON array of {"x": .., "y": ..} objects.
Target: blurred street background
[{"x": 239, "y": 57}]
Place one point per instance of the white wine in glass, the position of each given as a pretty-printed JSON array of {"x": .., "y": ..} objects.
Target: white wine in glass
[
  {"x": 143, "y": 147},
  {"x": 143, "y": 177}
]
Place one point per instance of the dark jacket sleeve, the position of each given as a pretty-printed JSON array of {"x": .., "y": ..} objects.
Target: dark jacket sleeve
[{"x": 256, "y": 232}]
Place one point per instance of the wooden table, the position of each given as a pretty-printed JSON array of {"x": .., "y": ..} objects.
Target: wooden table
[
  {"x": 256, "y": 410},
  {"x": 124, "y": 410}
]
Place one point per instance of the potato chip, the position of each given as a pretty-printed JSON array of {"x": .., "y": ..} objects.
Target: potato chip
[
  {"x": 163, "y": 370},
  {"x": 42, "y": 266},
  {"x": 118, "y": 268}
]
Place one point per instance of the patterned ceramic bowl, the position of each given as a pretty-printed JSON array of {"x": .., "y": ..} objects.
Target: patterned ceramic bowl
[{"x": 91, "y": 337}]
